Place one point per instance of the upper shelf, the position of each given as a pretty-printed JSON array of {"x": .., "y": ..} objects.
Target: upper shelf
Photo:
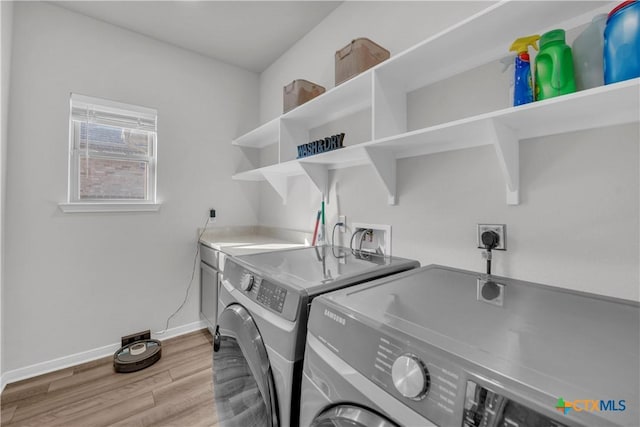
[
  {"x": 435, "y": 58},
  {"x": 350, "y": 97},
  {"x": 485, "y": 36},
  {"x": 267, "y": 134}
]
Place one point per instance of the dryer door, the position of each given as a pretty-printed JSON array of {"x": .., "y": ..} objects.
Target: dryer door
[
  {"x": 242, "y": 380},
  {"x": 350, "y": 416}
]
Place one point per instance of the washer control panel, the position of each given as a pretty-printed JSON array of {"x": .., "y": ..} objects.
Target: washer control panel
[{"x": 272, "y": 296}]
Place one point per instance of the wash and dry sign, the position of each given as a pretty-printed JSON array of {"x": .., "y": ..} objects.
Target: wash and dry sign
[{"x": 329, "y": 143}]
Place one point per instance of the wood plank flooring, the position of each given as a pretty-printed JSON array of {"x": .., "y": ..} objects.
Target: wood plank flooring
[{"x": 176, "y": 391}]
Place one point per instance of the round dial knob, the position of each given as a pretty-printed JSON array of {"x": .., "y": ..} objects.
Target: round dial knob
[
  {"x": 410, "y": 376},
  {"x": 247, "y": 282}
]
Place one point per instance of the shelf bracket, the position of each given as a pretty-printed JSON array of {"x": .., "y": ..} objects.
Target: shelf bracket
[
  {"x": 384, "y": 164},
  {"x": 279, "y": 183},
  {"x": 507, "y": 148},
  {"x": 319, "y": 176}
]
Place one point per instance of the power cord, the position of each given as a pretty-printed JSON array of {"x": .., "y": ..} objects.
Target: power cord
[
  {"x": 362, "y": 230},
  {"x": 362, "y": 236},
  {"x": 333, "y": 232},
  {"x": 193, "y": 275}
]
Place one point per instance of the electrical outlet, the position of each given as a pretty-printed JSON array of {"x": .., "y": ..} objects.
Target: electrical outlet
[
  {"x": 343, "y": 219},
  {"x": 138, "y": 336},
  {"x": 377, "y": 241},
  {"x": 500, "y": 229}
]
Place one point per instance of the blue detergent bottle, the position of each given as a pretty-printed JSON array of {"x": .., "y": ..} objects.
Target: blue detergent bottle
[
  {"x": 622, "y": 43},
  {"x": 523, "y": 84}
]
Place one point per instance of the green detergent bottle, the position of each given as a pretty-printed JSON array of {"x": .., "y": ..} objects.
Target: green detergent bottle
[{"x": 554, "y": 66}]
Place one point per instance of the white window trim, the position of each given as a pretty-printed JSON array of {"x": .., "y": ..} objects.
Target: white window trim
[
  {"x": 72, "y": 205},
  {"x": 108, "y": 207}
]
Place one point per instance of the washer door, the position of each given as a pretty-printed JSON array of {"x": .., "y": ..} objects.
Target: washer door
[
  {"x": 242, "y": 380},
  {"x": 350, "y": 416}
]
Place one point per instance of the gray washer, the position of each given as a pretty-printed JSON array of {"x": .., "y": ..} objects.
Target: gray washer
[
  {"x": 264, "y": 302},
  {"x": 505, "y": 353},
  {"x": 212, "y": 256}
]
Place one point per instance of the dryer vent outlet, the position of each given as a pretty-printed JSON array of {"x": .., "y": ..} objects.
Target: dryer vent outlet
[{"x": 138, "y": 336}]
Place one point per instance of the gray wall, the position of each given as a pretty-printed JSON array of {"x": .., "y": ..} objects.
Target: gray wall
[
  {"x": 6, "y": 27},
  {"x": 76, "y": 282},
  {"x": 578, "y": 222}
]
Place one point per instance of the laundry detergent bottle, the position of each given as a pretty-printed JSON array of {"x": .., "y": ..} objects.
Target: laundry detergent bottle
[
  {"x": 554, "y": 66},
  {"x": 523, "y": 85},
  {"x": 622, "y": 43}
]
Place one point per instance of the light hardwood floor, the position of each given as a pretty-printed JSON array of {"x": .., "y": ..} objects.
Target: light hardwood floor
[{"x": 176, "y": 391}]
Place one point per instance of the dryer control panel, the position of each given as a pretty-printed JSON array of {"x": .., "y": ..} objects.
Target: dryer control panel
[
  {"x": 484, "y": 408},
  {"x": 426, "y": 382},
  {"x": 434, "y": 383}
]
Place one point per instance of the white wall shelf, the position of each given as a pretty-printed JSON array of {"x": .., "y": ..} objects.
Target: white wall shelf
[
  {"x": 384, "y": 89},
  {"x": 351, "y": 97},
  {"x": 484, "y": 37},
  {"x": 267, "y": 134}
]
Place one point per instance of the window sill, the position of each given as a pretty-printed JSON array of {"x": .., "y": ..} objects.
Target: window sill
[{"x": 108, "y": 207}]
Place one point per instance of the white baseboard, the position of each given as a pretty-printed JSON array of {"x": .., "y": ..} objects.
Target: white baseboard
[
  {"x": 179, "y": 330},
  {"x": 85, "y": 356}
]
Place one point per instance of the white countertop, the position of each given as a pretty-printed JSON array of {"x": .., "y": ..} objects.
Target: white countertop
[{"x": 236, "y": 241}]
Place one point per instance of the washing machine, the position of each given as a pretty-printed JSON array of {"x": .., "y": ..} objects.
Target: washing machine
[
  {"x": 213, "y": 252},
  {"x": 260, "y": 338},
  {"x": 447, "y": 347}
]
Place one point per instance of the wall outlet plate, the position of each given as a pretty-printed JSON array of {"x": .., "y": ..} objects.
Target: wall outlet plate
[
  {"x": 343, "y": 219},
  {"x": 501, "y": 229},
  {"x": 138, "y": 336}
]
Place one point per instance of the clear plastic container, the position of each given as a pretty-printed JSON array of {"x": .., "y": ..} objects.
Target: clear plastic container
[{"x": 587, "y": 54}]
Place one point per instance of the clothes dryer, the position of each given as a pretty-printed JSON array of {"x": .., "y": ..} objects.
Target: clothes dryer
[{"x": 441, "y": 346}]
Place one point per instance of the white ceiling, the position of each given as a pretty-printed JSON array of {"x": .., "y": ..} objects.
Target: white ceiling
[{"x": 249, "y": 34}]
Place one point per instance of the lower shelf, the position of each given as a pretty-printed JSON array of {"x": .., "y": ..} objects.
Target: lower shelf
[{"x": 599, "y": 107}]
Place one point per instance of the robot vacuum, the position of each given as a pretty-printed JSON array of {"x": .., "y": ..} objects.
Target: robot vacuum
[{"x": 137, "y": 355}]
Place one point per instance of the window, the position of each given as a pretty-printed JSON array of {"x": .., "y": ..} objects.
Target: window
[{"x": 112, "y": 153}]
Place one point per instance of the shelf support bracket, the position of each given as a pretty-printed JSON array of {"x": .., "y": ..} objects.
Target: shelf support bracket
[
  {"x": 279, "y": 183},
  {"x": 319, "y": 176},
  {"x": 384, "y": 164},
  {"x": 507, "y": 148}
]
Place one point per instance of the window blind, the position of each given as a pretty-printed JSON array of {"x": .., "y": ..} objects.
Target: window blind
[{"x": 111, "y": 113}]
